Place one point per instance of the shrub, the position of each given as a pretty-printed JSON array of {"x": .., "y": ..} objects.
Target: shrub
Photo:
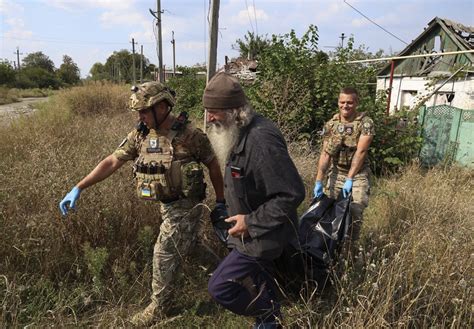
[{"x": 96, "y": 97}]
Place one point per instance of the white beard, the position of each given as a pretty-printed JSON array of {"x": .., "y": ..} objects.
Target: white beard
[{"x": 223, "y": 137}]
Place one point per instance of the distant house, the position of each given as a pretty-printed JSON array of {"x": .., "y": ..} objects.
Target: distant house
[
  {"x": 244, "y": 69},
  {"x": 412, "y": 75}
]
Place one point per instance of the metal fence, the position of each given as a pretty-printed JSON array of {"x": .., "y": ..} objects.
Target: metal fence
[{"x": 448, "y": 134}]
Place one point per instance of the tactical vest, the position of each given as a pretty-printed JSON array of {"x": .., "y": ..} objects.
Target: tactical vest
[
  {"x": 342, "y": 139},
  {"x": 160, "y": 176}
]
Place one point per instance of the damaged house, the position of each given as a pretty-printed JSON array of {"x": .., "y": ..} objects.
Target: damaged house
[{"x": 413, "y": 77}]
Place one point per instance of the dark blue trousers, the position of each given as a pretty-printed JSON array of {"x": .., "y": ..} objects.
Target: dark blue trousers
[{"x": 243, "y": 285}]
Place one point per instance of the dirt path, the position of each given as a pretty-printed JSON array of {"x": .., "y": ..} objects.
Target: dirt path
[{"x": 9, "y": 112}]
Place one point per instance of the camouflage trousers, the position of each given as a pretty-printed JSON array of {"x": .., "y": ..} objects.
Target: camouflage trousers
[
  {"x": 178, "y": 233},
  {"x": 360, "y": 195}
]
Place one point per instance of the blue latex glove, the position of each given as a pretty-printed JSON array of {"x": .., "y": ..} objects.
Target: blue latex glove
[
  {"x": 70, "y": 199},
  {"x": 318, "y": 189},
  {"x": 347, "y": 188}
]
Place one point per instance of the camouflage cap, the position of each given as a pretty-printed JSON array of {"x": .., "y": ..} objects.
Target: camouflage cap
[{"x": 148, "y": 94}]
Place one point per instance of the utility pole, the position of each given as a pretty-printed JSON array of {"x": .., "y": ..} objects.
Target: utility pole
[
  {"x": 213, "y": 30},
  {"x": 160, "y": 40},
  {"x": 141, "y": 64},
  {"x": 342, "y": 37},
  {"x": 173, "y": 42},
  {"x": 133, "y": 61},
  {"x": 17, "y": 53},
  {"x": 159, "y": 45}
]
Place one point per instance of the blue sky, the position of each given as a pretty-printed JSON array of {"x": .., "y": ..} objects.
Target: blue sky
[{"x": 90, "y": 30}]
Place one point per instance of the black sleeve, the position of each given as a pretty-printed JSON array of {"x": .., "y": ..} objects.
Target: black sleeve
[{"x": 276, "y": 176}]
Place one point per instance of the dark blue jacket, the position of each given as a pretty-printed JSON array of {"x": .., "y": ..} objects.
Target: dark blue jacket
[{"x": 262, "y": 182}]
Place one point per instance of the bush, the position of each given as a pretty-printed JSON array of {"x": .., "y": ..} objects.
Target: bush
[
  {"x": 189, "y": 89},
  {"x": 96, "y": 97},
  {"x": 8, "y": 95},
  {"x": 298, "y": 87}
]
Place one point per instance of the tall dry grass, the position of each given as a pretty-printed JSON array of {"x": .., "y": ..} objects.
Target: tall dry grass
[
  {"x": 93, "y": 268},
  {"x": 414, "y": 268}
]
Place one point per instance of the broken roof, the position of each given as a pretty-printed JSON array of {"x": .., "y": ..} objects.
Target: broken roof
[{"x": 441, "y": 35}]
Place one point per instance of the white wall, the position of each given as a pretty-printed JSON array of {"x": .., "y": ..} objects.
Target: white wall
[{"x": 407, "y": 91}]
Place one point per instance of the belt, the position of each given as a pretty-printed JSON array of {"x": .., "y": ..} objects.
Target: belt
[{"x": 166, "y": 201}]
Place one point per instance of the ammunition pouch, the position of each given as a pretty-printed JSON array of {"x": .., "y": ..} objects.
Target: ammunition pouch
[
  {"x": 158, "y": 183},
  {"x": 180, "y": 180}
]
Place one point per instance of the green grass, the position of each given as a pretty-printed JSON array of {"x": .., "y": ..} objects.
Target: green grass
[{"x": 93, "y": 268}]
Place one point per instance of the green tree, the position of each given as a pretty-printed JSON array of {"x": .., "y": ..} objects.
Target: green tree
[
  {"x": 37, "y": 77},
  {"x": 68, "y": 72},
  {"x": 189, "y": 88},
  {"x": 118, "y": 67},
  {"x": 38, "y": 59},
  {"x": 285, "y": 88},
  {"x": 298, "y": 88},
  {"x": 97, "y": 72},
  {"x": 7, "y": 73},
  {"x": 252, "y": 46}
]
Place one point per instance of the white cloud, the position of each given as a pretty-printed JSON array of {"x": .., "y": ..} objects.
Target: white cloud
[
  {"x": 9, "y": 7},
  {"x": 193, "y": 45},
  {"x": 17, "y": 29},
  {"x": 112, "y": 18},
  {"x": 249, "y": 14},
  {"x": 71, "y": 5}
]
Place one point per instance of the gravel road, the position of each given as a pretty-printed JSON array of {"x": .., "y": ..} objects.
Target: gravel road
[{"x": 9, "y": 112}]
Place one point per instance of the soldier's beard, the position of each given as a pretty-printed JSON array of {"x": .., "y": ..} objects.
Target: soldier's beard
[{"x": 223, "y": 137}]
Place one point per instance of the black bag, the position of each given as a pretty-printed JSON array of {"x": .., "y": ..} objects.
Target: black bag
[{"x": 321, "y": 231}]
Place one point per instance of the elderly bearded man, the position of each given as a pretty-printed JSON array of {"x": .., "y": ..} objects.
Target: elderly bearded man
[{"x": 263, "y": 190}]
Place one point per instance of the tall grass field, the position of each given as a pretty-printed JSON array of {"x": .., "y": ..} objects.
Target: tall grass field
[{"x": 414, "y": 268}]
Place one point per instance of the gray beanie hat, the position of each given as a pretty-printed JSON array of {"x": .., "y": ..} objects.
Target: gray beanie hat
[{"x": 223, "y": 92}]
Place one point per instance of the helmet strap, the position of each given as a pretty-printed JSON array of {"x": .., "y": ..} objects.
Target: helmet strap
[{"x": 157, "y": 125}]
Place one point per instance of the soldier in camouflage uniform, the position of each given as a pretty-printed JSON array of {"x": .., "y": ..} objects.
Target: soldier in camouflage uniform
[
  {"x": 167, "y": 153},
  {"x": 346, "y": 142}
]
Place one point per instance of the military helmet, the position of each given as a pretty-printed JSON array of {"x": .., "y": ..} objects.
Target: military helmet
[{"x": 148, "y": 94}]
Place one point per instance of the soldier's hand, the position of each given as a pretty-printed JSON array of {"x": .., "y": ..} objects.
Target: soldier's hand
[
  {"x": 240, "y": 227},
  {"x": 69, "y": 200},
  {"x": 318, "y": 189},
  {"x": 347, "y": 188},
  {"x": 221, "y": 227}
]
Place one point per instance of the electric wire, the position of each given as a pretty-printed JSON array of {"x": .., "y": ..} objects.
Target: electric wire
[
  {"x": 255, "y": 16},
  {"x": 361, "y": 13},
  {"x": 248, "y": 14},
  {"x": 381, "y": 27}
]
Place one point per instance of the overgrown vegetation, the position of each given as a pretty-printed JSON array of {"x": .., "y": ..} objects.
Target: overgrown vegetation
[
  {"x": 93, "y": 268},
  {"x": 13, "y": 95}
]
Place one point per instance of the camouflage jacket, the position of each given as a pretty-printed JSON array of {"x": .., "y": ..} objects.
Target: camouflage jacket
[
  {"x": 342, "y": 138},
  {"x": 189, "y": 144}
]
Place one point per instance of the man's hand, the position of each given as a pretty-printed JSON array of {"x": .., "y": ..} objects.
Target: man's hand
[
  {"x": 347, "y": 188},
  {"x": 318, "y": 189},
  {"x": 239, "y": 226},
  {"x": 70, "y": 199}
]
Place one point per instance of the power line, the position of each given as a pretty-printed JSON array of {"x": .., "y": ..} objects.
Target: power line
[
  {"x": 248, "y": 14},
  {"x": 79, "y": 42},
  {"x": 393, "y": 35},
  {"x": 255, "y": 16}
]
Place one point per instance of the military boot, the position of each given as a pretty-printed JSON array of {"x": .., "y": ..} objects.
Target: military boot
[{"x": 152, "y": 313}]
